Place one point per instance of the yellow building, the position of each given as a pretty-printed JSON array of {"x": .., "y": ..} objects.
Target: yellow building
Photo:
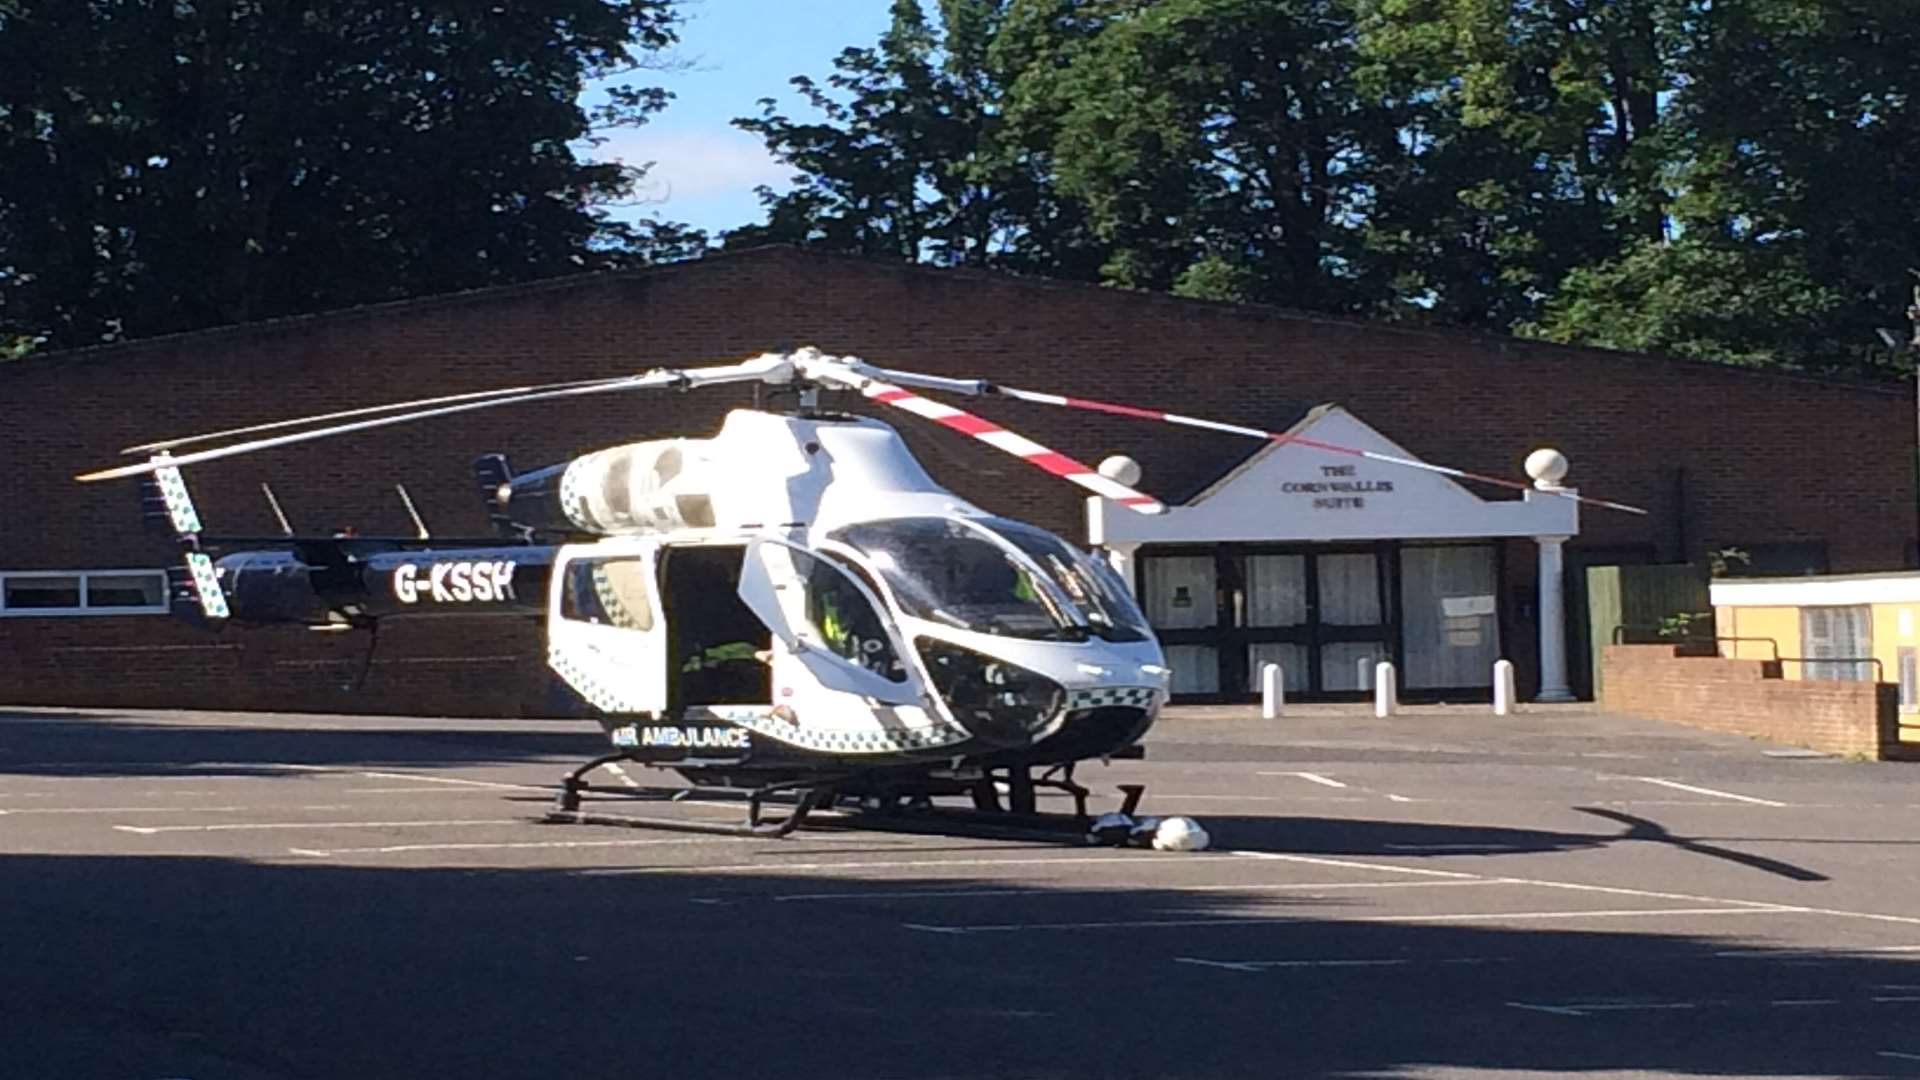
[{"x": 1845, "y": 626}]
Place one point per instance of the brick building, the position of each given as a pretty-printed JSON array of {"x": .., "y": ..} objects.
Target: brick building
[{"x": 1806, "y": 475}]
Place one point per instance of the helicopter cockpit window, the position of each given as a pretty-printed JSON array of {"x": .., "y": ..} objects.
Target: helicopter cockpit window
[
  {"x": 840, "y": 614},
  {"x": 613, "y": 592},
  {"x": 947, "y": 571},
  {"x": 1093, "y": 586}
]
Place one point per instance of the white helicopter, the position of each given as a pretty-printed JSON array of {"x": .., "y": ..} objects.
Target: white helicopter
[{"x": 792, "y": 609}]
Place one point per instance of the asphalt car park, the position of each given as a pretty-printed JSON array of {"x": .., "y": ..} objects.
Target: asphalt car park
[{"x": 1439, "y": 894}]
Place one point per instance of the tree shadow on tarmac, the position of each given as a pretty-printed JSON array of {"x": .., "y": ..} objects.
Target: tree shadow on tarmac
[
  {"x": 224, "y": 969},
  {"x": 108, "y": 744}
]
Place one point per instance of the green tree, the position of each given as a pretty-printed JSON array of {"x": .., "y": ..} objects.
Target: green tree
[
  {"x": 1538, "y": 143},
  {"x": 911, "y": 155},
  {"x": 173, "y": 164},
  {"x": 1796, "y": 179},
  {"x": 1222, "y": 147}
]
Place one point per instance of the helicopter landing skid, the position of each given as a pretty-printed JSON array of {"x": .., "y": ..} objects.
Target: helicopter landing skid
[
  {"x": 857, "y": 801},
  {"x": 1017, "y": 818},
  {"x": 806, "y": 798}
]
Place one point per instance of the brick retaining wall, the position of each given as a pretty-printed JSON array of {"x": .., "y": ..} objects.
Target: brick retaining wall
[{"x": 1748, "y": 697}]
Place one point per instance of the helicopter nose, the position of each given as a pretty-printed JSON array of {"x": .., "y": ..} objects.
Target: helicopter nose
[{"x": 1000, "y": 702}]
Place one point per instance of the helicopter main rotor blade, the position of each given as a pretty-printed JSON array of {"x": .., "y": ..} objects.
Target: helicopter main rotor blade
[
  {"x": 1284, "y": 438},
  {"x": 371, "y": 410},
  {"x": 984, "y": 388},
  {"x": 765, "y": 368},
  {"x": 988, "y": 432}
]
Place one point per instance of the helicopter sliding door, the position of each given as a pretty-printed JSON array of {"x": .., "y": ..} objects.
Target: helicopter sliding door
[
  {"x": 830, "y": 623},
  {"x": 606, "y": 635}
]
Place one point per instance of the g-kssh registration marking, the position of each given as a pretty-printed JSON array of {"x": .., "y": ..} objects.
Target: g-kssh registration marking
[{"x": 455, "y": 582}]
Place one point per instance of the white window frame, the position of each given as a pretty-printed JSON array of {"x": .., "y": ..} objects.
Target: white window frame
[{"x": 82, "y": 609}]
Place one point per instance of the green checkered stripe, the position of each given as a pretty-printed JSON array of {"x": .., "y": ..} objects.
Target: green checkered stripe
[
  {"x": 570, "y": 494},
  {"x": 617, "y": 613},
  {"x": 877, "y": 740},
  {"x": 1138, "y": 697},
  {"x": 607, "y": 699}
]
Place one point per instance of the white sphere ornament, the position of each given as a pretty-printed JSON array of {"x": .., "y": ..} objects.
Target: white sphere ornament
[
  {"x": 1121, "y": 469},
  {"x": 1180, "y": 834},
  {"x": 1547, "y": 466}
]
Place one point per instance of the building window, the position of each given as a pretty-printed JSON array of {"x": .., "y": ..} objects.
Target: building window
[
  {"x": 26, "y": 593},
  {"x": 1909, "y": 681},
  {"x": 1838, "y": 642}
]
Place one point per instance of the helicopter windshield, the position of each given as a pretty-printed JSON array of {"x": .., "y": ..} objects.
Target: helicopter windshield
[
  {"x": 1092, "y": 586},
  {"x": 994, "y": 577}
]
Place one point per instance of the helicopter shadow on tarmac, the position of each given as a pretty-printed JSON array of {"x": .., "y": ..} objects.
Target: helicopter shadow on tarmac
[{"x": 104, "y": 743}]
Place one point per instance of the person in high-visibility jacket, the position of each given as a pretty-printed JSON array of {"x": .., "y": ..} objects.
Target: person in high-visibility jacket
[{"x": 715, "y": 655}]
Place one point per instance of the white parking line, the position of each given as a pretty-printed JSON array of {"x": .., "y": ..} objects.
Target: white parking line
[
  {"x": 1314, "y": 778},
  {"x": 1582, "y": 1008},
  {"x": 1328, "y": 781},
  {"x": 1263, "y": 965},
  {"x": 1139, "y": 859},
  {"x": 1573, "y": 886},
  {"x": 1586, "y": 1008},
  {"x": 149, "y": 830},
  {"x": 1177, "y": 797},
  {"x": 963, "y": 894},
  {"x": 1677, "y": 786},
  {"x": 1897, "y": 1055},
  {"x": 421, "y": 778},
  {"x": 415, "y": 790},
  {"x": 321, "y": 853},
  {"x": 454, "y": 781},
  {"x": 1809, "y": 953},
  {"x": 1555, "y": 1009},
  {"x": 162, "y": 809},
  {"x": 1352, "y": 864},
  {"x": 1230, "y": 921}
]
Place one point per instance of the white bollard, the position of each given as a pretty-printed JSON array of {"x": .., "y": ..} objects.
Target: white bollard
[
  {"x": 1363, "y": 671},
  {"x": 1502, "y": 687},
  {"x": 1273, "y": 691},
  {"x": 1385, "y": 698}
]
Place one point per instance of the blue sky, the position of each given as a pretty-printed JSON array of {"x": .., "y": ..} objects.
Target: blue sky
[{"x": 736, "y": 52}]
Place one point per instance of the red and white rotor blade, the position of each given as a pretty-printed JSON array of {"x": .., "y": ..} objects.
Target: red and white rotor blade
[
  {"x": 999, "y": 438},
  {"x": 1284, "y": 437}
]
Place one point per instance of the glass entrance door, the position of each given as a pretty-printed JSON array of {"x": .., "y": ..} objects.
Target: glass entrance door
[
  {"x": 1452, "y": 631},
  {"x": 1275, "y": 613},
  {"x": 1352, "y": 629},
  {"x": 1181, "y": 596},
  {"x": 1224, "y": 614}
]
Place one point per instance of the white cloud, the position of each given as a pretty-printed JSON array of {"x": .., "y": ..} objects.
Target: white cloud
[{"x": 693, "y": 164}]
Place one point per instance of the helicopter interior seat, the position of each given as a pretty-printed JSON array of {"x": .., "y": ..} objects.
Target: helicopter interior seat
[{"x": 712, "y": 635}]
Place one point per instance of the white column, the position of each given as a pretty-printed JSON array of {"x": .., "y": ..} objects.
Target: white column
[
  {"x": 1553, "y": 621},
  {"x": 1120, "y": 557}
]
